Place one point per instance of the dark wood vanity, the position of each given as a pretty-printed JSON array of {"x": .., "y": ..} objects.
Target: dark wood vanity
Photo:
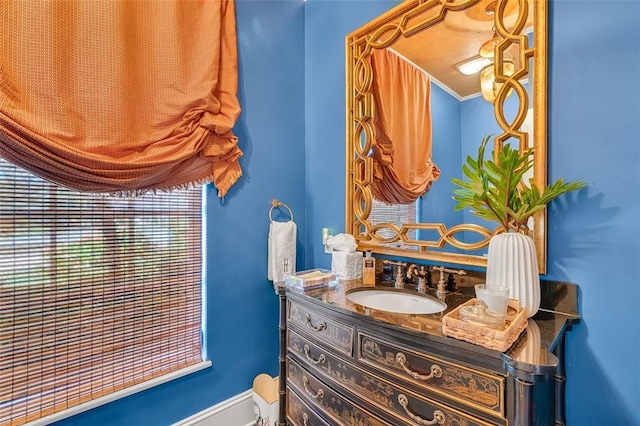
[
  {"x": 347, "y": 366},
  {"x": 342, "y": 364}
]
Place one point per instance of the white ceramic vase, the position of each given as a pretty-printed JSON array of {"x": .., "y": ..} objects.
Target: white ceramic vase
[{"x": 512, "y": 262}]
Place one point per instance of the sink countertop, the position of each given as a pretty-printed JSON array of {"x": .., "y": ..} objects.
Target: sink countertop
[{"x": 531, "y": 353}]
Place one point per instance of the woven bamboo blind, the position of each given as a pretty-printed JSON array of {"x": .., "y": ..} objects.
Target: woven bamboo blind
[
  {"x": 396, "y": 214},
  {"x": 96, "y": 293}
]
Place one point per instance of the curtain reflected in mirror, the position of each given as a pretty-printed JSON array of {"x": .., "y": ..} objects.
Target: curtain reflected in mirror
[{"x": 403, "y": 169}]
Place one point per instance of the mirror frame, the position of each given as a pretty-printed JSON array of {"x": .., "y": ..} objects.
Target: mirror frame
[{"x": 404, "y": 20}]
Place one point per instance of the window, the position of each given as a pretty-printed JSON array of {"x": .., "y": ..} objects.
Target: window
[
  {"x": 97, "y": 293},
  {"x": 396, "y": 214}
]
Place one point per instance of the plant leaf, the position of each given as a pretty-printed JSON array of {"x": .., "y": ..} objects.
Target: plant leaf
[{"x": 496, "y": 191}]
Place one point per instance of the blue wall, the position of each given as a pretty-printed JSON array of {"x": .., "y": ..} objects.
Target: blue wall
[
  {"x": 292, "y": 130},
  {"x": 594, "y": 123},
  {"x": 446, "y": 117},
  {"x": 326, "y": 25}
]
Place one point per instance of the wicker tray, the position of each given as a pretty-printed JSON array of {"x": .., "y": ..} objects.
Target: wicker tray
[{"x": 500, "y": 340}]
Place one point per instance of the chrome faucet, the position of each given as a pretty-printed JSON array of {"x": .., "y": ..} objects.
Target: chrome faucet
[
  {"x": 421, "y": 273},
  {"x": 442, "y": 283},
  {"x": 399, "y": 283}
]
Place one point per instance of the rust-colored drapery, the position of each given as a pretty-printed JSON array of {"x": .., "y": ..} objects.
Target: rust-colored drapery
[
  {"x": 403, "y": 166},
  {"x": 120, "y": 96}
]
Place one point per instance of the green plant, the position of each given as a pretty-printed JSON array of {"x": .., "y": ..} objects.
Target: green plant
[{"x": 495, "y": 190}]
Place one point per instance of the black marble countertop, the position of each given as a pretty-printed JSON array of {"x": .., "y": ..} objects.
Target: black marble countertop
[{"x": 531, "y": 353}]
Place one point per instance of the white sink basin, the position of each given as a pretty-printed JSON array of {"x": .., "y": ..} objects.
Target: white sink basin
[{"x": 398, "y": 301}]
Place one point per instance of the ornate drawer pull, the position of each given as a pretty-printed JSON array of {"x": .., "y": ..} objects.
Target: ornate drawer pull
[
  {"x": 401, "y": 359},
  {"x": 307, "y": 353},
  {"x": 317, "y": 395},
  {"x": 438, "y": 416},
  {"x": 322, "y": 326},
  {"x": 305, "y": 419}
]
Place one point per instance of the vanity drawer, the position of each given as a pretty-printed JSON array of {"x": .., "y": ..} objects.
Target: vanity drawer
[
  {"x": 309, "y": 353},
  {"x": 385, "y": 397},
  {"x": 480, "y": 390},
  {"x": 315, "y": 393},
  {"x": 335, "y": 334},
  {"x": 411, "y": 410},
  {"x": 299, "y": 413}
]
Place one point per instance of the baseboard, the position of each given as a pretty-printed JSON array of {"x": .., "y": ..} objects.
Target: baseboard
[{"x": 235, "y": 411}]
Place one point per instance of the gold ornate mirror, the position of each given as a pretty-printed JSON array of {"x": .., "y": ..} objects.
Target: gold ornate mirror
[{"x": 438, "y": 36}]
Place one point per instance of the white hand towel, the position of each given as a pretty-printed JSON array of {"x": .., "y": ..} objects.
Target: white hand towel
[{"x": 282, "y": 247}]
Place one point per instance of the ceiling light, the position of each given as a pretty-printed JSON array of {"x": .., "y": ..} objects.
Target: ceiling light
[
  {"x": 472, "y": 65},
  {"x": 487, "y": 50},
  {"x": 488, "y": 84},
  {"x": 491, "y": 8}
]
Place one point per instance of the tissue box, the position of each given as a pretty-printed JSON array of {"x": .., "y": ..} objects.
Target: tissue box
[{"x": 347, "y": 265}]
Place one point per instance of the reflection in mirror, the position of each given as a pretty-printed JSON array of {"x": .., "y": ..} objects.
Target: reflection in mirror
[
  {"x": 403, "y": 169},
  {"x": 457, "y": 44}
]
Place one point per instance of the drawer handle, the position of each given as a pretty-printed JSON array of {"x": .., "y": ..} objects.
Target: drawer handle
[
  {"x": 305, "y": 419},
  {"x": 320, "y": 327},
  {"x": 307, "y": 353},
  {"x": 438, "y": 416},
  {"x": 401, "y": 359},
  {"x": 317, "y": 395}
]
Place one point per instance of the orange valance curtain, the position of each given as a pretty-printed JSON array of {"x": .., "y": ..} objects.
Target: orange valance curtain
[
  {"x": 403, "y": 166},
  {"x": 120, "y": 96}
]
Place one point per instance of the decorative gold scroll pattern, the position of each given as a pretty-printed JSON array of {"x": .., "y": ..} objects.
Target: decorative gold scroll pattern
[
  {"x": 360, "y": 135},
  {"x": 460, "y": 243}
]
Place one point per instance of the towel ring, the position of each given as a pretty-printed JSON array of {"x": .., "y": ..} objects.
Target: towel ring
[{"x": 276, "y": 203}]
